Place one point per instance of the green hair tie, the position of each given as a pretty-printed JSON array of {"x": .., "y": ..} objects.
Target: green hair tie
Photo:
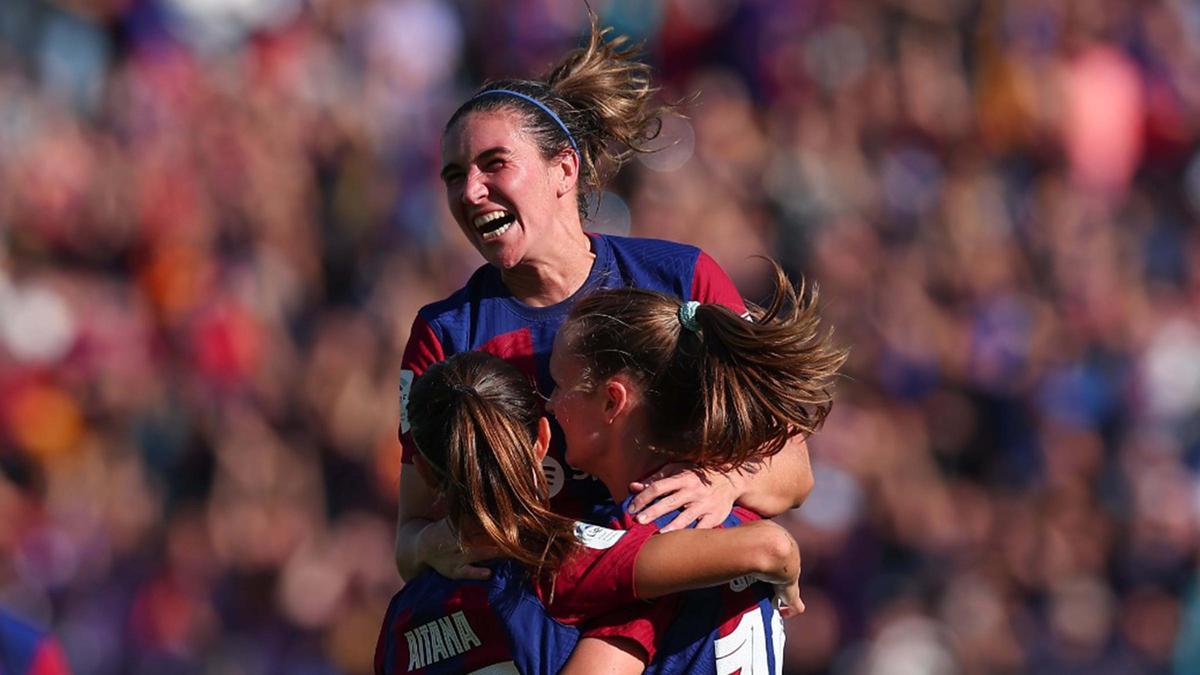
[{"x": 687, "y": 316}]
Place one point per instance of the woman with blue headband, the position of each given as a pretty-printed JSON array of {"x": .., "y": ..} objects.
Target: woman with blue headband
[{"x": 520, "y": 159}]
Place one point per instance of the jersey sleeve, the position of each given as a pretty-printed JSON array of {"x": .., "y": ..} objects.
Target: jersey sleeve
[
  {"x": 422, "y": 351},
  {"x": 596, "y": 590},
  {"x": 644, "y": 624},
  {"x": 710, "y": 283},
  {"x": 599, "y": 575}
]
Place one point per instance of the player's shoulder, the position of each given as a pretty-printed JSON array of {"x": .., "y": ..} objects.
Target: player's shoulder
[
  {"x": 651, "y": 251},
  {"x": 450, "y": 319},
  {"x": 597, "y": 537},
  {"x": 654, "y": 264},
  {"x": 481, "y": 280}
]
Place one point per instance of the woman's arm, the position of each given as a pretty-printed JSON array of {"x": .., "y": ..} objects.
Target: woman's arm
[
  {"x": 424, "y": 539},
  {"x": 769, "y": 488},
  {"x": 689, "y": 559},
  {"x": 780, "y": 483},
  {"x": 607, "y": 656}
]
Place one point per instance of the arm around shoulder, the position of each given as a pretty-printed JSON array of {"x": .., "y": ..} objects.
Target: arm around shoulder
[
  {"x": 688, "y": 559},
  {"x": 780, "y": 483}
]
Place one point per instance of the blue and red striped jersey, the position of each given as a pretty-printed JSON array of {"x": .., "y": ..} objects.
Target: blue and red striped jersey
[
  {"x": 732, "y": 629},
  {"x": 484, "y": 316},
  {"x": 506, "y": 625},
  {"x": 28, "y": 650}
]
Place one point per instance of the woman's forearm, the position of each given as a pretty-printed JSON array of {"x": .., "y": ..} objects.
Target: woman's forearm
[
  {"x": 415, "y": 511},
  {"x": 408, "y": 559},
  {"x": 605, "y": 656},
  {"x": 688, "y": 559}
]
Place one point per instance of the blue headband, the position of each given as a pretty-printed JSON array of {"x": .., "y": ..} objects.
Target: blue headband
[{"x": 545, "y": 108}]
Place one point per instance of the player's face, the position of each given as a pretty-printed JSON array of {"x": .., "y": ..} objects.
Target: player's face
[
  {"x": 578, "y": 408},
  {"x": 500, "y": 190}
]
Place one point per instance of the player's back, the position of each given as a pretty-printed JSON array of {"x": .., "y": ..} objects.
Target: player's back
[
  {"x": 747, "y": 640},
  {"x": 727, "y": 629},
  {"x": 435, "y": 626}
]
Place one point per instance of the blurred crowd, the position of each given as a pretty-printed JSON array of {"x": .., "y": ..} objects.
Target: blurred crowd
[{"x": 219, "y": 217}]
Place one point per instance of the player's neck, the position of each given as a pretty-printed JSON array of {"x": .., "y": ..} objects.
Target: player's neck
[
  {"x": 628, "y": 462},
  {"x": 554, "y": 273}
]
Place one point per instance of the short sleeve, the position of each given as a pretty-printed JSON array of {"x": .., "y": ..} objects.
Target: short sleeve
[
  {"x": 599, "y": 576},
  {"x": 422, "y": 351},
  {"x": 596, "y": 589},
  {"x": 710, "y": 283},
  {"x": 645, "y": 624}
]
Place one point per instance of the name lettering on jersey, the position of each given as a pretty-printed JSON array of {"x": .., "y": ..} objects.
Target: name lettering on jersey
[
  {"x": 406, "y": 381},
  {"x": 594, "y": 536},
  {"x": 439, "y": 639}
]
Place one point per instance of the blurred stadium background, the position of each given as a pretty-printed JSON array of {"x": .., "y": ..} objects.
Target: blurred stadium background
[{"x": 219, "y": 216}]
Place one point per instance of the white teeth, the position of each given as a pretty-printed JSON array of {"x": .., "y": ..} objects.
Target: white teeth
[
  {"x": 486, "y": 218},
  {"x": 488, "y": 236}
]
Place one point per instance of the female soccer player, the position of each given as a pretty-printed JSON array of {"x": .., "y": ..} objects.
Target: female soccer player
[
  {"x": 481, "y": 440},
  {"x": 736, "y": 391},
  {"x": 520, "y": 158}
]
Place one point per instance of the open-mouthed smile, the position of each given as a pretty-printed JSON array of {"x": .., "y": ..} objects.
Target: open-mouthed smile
[{"x": 493, "y": 224}]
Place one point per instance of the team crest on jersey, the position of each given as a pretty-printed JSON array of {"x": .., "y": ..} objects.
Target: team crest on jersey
[
  {"x": 406, "y": 380},
  {"x": 594, "y": 536}
]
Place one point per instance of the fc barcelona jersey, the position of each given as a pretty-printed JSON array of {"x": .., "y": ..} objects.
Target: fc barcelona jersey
[
  {"x": 484, "y": 316},
  {"x": 502, "y": 625},
  {"x": 732, "y": 629},
  {"x": 506, "y": 625}
]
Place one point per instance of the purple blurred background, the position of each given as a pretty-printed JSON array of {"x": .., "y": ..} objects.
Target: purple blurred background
[{"x": 218, "y": 218}]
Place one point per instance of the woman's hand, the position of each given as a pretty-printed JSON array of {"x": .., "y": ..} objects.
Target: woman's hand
[
  {"x": 704, "y": 497},
  {"x": 787, "y": 599},
  {"x": 437, "y": 547}
]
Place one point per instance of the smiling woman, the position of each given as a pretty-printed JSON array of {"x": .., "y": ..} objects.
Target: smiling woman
[{"x": 519, "y": 161}]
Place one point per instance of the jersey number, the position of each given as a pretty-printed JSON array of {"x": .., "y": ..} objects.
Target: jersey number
[{"x": 744, "y": 651}]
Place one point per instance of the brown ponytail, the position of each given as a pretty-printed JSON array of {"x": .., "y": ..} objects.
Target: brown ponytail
[
  {"x": 474, "y": 420},
  {"x": 603, "y": 96},
  {"x": 729, "y": 392}
]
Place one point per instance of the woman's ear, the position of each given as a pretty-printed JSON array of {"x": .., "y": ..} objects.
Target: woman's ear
[
  {"x": 618, "y": 398},
  {"x": 567, "y": 162},
  {"x": 541, "y": 444}
]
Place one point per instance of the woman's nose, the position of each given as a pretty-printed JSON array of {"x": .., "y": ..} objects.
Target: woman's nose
[{"x": 474, "y": 191}]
